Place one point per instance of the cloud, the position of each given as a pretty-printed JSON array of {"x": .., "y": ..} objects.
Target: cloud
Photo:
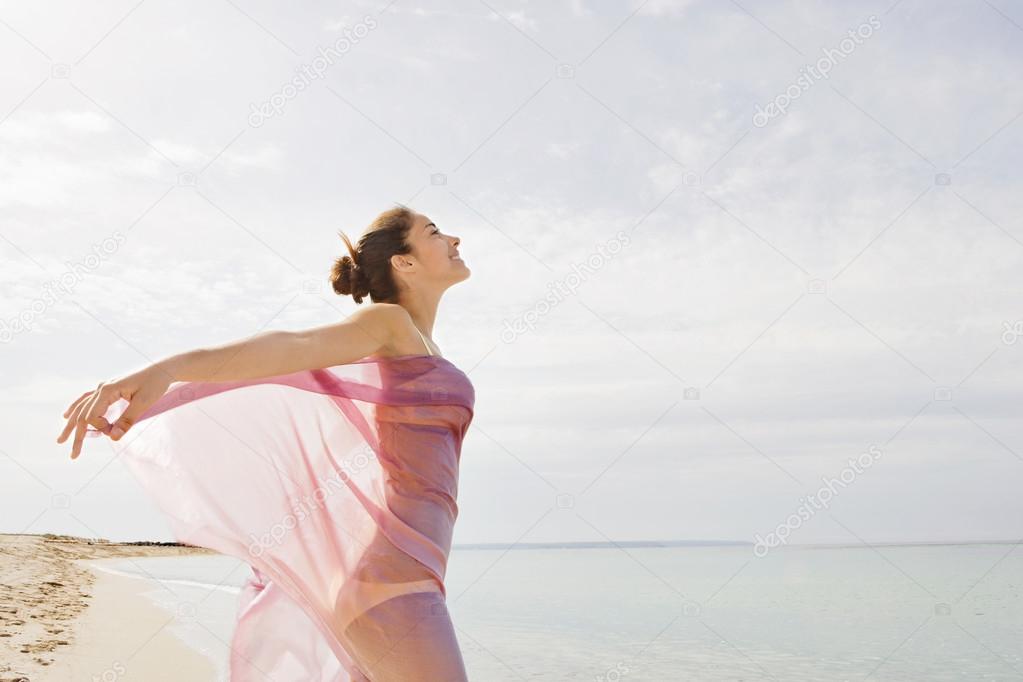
[
  {"x": 40, "y": 125},
  {"x": 579, "y": 8},
  {"x": 713, "y": 291},
  {"x": 521, "y": 20},
  {"x": 658, "y": 8},
  {"x": 84, "y": 121},
  {"x": 563, "y": 150}
]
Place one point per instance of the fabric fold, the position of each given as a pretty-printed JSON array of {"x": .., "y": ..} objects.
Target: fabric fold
[{"x": 337, "y": 486}]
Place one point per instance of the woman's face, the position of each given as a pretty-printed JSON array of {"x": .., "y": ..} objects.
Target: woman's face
[{"x": 436, "y": 252}]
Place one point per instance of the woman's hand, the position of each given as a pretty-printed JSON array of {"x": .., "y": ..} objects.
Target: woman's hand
[{"x": 141, "y": 389}]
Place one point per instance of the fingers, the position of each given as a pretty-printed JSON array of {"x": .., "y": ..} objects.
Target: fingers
[
  {"x": 74, "y": 410},
  {"x": 139, "y": 402},
  {"x": 72, "y": 405},
  {"x": 90, "y": 408},
  {"x": 72, "y": 421},
  {"x": 79, "y": 425},
  {"x": 126, "y": 420},
  {"x": 102, "y": 425},
  {"x": 91, "y": 413}
]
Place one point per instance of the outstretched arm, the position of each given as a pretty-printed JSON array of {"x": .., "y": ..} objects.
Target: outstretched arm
[
  {"x": 282, "y": 352},
  {"x": 266, "y": 354}
]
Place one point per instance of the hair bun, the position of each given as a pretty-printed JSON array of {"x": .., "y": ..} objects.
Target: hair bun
[
  {"x": 367, "y": 266},
  {"x": 346, "y": 277}
]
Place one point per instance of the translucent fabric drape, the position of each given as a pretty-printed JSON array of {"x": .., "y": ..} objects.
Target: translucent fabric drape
[{"x": 338, "y": 487}]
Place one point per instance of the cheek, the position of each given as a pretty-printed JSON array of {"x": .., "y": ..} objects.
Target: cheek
[{"x": 441, "y": 259}]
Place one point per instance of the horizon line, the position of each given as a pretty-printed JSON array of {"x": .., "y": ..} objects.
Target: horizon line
[{"x": 588, "y": 544}]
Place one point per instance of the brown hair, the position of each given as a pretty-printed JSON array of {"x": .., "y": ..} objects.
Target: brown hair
[{"x": 366, "y": 269}]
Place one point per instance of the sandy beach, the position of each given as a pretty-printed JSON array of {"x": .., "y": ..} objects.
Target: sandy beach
[{"x": 60, "y": 620}]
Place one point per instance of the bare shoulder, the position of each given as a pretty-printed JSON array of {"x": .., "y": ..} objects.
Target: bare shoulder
[
  {"x": 388, "y": 320},
  {"x": 394, "y": 322},
  {"x": 371, "y": 328},
  {"x": 402, "y": 337}
]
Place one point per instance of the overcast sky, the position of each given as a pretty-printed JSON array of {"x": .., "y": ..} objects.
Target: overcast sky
[{"x": 726, "y": 301}]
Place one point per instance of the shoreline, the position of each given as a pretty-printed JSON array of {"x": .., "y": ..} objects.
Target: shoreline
[
  {"x": 61, "y": 619},
  {"x": 124, "y": 635}
]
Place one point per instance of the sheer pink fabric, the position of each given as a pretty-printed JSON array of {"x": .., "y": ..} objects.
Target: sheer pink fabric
[{"x": 338, "y": 487}]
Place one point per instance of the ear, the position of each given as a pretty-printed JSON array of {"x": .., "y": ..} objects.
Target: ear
[{"x": 401, "y": 262}]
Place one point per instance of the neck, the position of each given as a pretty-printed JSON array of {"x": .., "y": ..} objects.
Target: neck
[{"x": 422, "y": 308}]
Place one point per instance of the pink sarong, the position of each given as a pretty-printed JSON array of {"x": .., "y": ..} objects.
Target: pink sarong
[{"x": 338, "y": 487}]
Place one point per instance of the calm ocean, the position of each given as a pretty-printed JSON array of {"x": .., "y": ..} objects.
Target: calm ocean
[{"x": 941, "y": 612}]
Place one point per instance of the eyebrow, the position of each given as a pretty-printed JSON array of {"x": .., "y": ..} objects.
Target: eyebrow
[{"x": 427, "y": 225}]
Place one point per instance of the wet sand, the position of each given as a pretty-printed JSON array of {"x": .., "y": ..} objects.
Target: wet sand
[{"x": 59, "y": 620}]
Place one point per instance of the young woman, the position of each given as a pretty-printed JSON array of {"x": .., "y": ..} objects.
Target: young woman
[{"x": 326, "y": 459}]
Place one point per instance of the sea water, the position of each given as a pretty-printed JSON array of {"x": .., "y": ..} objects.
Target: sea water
[{"x": 939, "y": 612}]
